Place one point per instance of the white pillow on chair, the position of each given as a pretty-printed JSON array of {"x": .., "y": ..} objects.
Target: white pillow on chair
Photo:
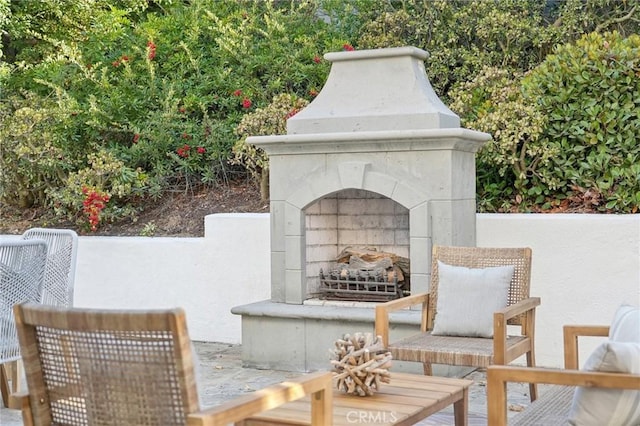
[
  {"x": 468, "y": 297},
  {"x": 625, "y": 326},
  {"x": 621, "y": 354}
]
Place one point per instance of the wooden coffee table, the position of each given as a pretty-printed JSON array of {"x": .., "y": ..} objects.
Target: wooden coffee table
[{"x": 408, "y": 399}]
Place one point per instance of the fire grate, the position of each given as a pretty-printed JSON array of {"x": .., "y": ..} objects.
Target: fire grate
[{"x": 376, "y": 285}]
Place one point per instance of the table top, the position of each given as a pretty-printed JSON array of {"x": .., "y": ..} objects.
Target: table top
[{"x": 407, "y": 399}]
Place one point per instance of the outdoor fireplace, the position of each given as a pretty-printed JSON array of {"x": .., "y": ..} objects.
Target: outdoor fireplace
[{"x": 376, "y": 161}]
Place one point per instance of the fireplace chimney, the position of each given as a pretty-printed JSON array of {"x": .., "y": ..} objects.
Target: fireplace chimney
[{"x": 375, "y": 90}]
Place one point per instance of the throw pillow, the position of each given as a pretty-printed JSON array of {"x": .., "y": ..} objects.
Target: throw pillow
[
  {"x": 625, "y": 326},
  {"x": 468, "y": 297},
  {"x": 602, "y": 407}
]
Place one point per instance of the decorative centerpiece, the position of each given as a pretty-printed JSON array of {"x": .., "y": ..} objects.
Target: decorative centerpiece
[{"x": 360, "y": 363}]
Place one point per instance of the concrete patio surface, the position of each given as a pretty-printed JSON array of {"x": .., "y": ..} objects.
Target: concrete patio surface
[{"x": 222, "y": 377}]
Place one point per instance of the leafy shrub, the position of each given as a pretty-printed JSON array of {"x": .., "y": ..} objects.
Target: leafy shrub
[
  {"x": 270, "y": 120},
  {"x": 508, "y": 164},
  {"x": 464, "y": 37},
  {"x": 99, "y": 192},
  {"x": 155, "y": 86},
  {"x": 144, "y": 83},
  {"x": 31, "y": 161},
  {"x": 590, "y": 93}
]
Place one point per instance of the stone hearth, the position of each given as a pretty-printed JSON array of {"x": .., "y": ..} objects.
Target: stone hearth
[{"x": 375, "y": 160}]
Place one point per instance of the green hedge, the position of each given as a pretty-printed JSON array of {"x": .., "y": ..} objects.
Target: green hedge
[{"x": 133, "y": 98}]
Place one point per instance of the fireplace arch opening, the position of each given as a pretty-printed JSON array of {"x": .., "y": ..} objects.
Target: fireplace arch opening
[{"x": 351, "y": 222}]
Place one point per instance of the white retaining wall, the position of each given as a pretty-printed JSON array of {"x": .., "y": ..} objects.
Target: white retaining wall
[
  {"x": 584, "y": 266},
  {"x": 205, "y": 276}
]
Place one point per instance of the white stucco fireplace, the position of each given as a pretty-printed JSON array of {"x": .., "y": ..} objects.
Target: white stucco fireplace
[{"x": 376, "y": 160}]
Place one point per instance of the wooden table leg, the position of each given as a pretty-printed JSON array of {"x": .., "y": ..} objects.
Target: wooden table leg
[{"x": 461, "y": 409}]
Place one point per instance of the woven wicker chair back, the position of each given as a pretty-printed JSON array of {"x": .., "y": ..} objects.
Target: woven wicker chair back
[
  {"x": 62, "y": 247},
  {"x": 107, "y": 367},
  {"x": 22, "y": 265},
  {"x": 483, "y": 257}
]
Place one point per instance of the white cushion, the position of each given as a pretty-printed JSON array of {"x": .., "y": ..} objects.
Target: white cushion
[
  {"x": 625, "y": 326},
  {"x": 467, "y": 299},
  {"x": 600, "y": 406}
]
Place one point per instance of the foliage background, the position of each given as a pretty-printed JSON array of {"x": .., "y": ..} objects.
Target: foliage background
[{"x": 136, "y": 98}]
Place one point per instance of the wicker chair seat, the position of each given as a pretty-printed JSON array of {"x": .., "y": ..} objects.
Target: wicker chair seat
[
  {"x": 552, "y": 408},
  {"x": 449, "y": 350}
]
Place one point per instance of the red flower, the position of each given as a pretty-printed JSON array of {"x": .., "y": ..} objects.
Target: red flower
[
  {"x": 151, "y": 50},
  {"x": 93, "y": 204},
  {"x": 116, "y": 64},
  {"x": 291, "y": 113},
  {"x": 124, "y": 58},
  {"x": 183, "y": 151},
  {"x": 237, "y": 92},
  {"x": 246, "y": 103},
  {"x": 182, "y": 110},
  {"x": 347, "y": 47},
  {"x": 201, "y": 150},
  {"x": 136, "y": 137},
  {"x": 317, "y": 59},
  {"x": 313, "y": 93}
]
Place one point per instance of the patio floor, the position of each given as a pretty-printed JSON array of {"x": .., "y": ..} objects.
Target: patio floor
[{"x": 221, "y": 377}]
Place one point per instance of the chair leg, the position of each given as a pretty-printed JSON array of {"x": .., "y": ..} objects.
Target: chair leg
[
  {"x": 426, "y": 368},
  {"x": 10, "y": 372},
  {"x": 533, "y": 387},
  {"x": 4, "y": 384}
]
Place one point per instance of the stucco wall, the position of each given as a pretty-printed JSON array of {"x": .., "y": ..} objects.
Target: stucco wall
[
  {"x": 205, "y": 276},
  {"x": 584, "y": 266}
]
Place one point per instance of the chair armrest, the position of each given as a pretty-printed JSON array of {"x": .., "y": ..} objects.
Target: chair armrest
[
  {"x": 383, "y": 310},
  {"x": 519, "y": 308},
  {"x": 319, "y": 385},
  {"x": 499, "y": 375},
  {"x": 527, "y": 307},
  {"x": 570, "y": 335}
]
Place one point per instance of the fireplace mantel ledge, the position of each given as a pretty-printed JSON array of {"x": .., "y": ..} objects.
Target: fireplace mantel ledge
[
  {"x": 372, "y": 136},
  {"x": 267, "y": 308}
]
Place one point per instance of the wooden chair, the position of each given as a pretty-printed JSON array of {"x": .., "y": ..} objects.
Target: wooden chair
[
  {"x": 22, "y": 265},
  {"x": 427, "y": 348},
  {"x": 554, "y": 405},
  {"x": 59, "y": 276},
  {"x": 130, "y": 368}
]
